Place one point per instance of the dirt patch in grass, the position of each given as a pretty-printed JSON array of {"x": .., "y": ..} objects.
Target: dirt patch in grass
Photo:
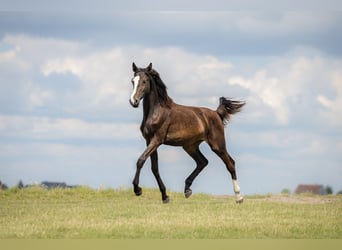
[{"x": 299, "y": 199}]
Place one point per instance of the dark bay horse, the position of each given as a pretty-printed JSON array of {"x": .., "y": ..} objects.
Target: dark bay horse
[{"x": 165, "y": 122}]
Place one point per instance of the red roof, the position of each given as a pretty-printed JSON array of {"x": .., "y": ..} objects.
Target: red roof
[{"x": 315, "y": 189}]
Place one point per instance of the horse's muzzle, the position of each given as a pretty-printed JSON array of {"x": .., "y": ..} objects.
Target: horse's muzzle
[{"x": 134, "y": 104}]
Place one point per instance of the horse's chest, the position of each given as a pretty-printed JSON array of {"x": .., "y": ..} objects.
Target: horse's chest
[
  {"x": 147, "y": 131},
  {"x": 151, "y": 127}
]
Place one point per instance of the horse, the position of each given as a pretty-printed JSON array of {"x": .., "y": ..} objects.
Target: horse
[{"x": 166, "y": 122}]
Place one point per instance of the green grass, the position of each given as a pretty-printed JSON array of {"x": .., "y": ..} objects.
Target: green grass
[{"x": 88, "y": 213}]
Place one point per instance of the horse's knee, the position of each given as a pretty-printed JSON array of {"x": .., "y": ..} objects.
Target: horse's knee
[
  {"x": 232, "y": 160},
  {"x": 140, "y": 163}
]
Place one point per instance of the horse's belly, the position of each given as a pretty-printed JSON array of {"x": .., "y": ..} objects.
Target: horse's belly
[{"x": 184, "y": 136}]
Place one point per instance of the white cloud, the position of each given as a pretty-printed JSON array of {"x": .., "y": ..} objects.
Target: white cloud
[
  {"x": 36, "y": 49},
  {"x": 325, "y": 101},
  {"x": 20, "y": 65},
  {"x": 38, "y": 97},
  {"x": 102, "y": 75},
  {"x": 45, "y": 128},
  {"x": 269, "y": 91},
  {"x": 333, "y": 105},
  {"x": 290, "y": 85}
]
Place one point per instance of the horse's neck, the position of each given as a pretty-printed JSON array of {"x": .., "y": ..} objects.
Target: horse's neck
[{"x": 150, "y": 104}]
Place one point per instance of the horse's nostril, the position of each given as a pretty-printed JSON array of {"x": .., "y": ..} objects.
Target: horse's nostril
[{"x": 134, "y": 103}]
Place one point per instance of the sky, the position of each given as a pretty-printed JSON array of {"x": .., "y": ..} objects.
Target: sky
[{"x": 65, "y": 73}]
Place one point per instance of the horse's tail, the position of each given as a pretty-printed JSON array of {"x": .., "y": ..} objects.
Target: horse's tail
[{"x": 228, "y": 107}]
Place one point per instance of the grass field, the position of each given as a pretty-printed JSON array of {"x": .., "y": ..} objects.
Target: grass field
[{"x": 87, "y": 213}]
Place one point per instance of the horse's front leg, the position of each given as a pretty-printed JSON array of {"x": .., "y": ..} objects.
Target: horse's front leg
[
  {"x": 155, "y": 171},
  {"x": 152, "y": 146}
]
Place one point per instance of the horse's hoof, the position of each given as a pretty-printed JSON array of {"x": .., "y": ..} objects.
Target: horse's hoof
[
  {"x": 188, "y": 193},
  {"x": 166, "y": 200},
  {"x": 138, "y": 191},
  {"x": 239, "y": 200}
]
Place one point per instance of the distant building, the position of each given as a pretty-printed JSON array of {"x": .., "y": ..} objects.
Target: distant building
[
  {"x": 314, "y": 189},
  {"x": 50, "y": 185}
]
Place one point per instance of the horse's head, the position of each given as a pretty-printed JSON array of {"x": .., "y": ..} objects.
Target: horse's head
[{"x": 141, "y": 84}]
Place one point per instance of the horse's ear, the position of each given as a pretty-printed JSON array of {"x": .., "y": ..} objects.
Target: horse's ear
[
  {"x": 149, "y": 67},
  {"x": 134, "y": 67}
]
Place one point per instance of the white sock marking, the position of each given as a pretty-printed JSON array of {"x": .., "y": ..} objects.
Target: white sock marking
[
  {"x": 135, "y": 87},
  {"x": 238, "y": 197},
  {"x": 236, "y": 187}
]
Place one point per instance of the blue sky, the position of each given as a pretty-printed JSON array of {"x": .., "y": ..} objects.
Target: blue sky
[{"x": 65, "y": 83}]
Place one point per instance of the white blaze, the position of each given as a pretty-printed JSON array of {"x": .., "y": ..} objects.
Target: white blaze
[{"x": 135, "y": 87}]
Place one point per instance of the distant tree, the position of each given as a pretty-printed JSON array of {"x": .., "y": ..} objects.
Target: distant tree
[
  {"x": 329, "y": 190},
  {"x": 3, "y": 186},
  {"x": 339, "y": 192},
  {"x": 20, "y": 184},
  {"x": 286, "y": 191}
]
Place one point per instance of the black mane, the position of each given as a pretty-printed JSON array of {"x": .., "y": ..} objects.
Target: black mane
[{"x": 164, "y": 99}]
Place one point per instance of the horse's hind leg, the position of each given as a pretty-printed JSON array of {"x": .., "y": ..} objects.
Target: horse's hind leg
[
  {"x": 201, "y": 162},
  {"x": 155, "y": 171},
  {"x": 220, "y": 149}
]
